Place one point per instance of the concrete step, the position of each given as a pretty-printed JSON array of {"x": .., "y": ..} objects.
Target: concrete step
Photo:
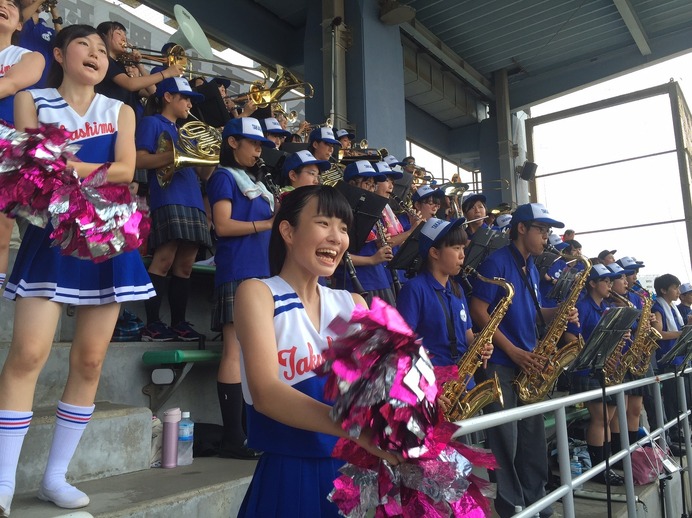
[
  {"x": 116, "y": 441},
  {"x": 208, "y": 488}
]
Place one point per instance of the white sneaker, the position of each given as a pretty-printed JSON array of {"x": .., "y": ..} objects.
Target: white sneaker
[
  {"x": 5, "y": 502},
  {"x": 67, "y": 497}
]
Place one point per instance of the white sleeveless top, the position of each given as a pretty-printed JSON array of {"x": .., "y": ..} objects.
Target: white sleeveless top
[{"x": 9, "y": 57}]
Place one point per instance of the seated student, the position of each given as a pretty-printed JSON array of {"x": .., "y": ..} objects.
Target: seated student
[
  {"x": 685, "y": 306},
  {"x": 591, "y": 308},
  {"x": 345, "y": 138},
  {"x": 426, "y": 201},
  {"x": 301, "y": 169},
  {"x": 370, "y": 259},
  {"x": 36, "y": 35},
  {"x": 117, "y": 84},
  {"x": 474, "y": 210},
  {"x": 631, "y": 268},
  {"x": 607, "y": 256},
  {"x": 502, "y": 222},
  {"x": 321, "y": 143},
  {"x": 273, "y": 131},
  {"x": 668, "y": 322}
]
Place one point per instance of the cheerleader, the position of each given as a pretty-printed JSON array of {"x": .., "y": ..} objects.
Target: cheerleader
[
  {"x": 241, "y": 208},
  {"x": 179, "y": 221},
  {"x": 43, "y": 279},
  {"x": 19, "y": 69},
  {"x": 283, "y": 324},
  {"x": 591, "y": 308}
]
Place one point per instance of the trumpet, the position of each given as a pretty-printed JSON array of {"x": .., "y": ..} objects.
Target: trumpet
[
  {"x": 174, "y": 57},
  {"x": 291, "y": 116}
]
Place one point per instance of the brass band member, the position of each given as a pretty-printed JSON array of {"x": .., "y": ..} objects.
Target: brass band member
[{"x": 520, "y": 446}]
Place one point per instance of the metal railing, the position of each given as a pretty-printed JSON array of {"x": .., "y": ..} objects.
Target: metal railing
[{"x": 565, "y": 490}]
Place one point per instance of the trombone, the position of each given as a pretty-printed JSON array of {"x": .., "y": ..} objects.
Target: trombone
[{"x": 284, "y": 82}]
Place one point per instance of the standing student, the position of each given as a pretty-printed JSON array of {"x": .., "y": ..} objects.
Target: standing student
[
  {"x": 321, "y": 143},
  {"x": 19, "y": 69},
  {"x": 179, "y": 221},
  {"x": 591, "y": 308},
  {"x": 301, "y": 169},
  {"x": 273, "y": 131},
  {"x": 242, "y": 214},
  {"x": 345, "y": 138},
  {"x": 685, "y": 306},
  {"x": 37, "y": 35},
  {"x": 426, "y": 201},
  {"x": 474, "y": 210},
  {"x": 283, "y": 322},
  {"x": 519, "y": 447},
  {"x": 43, "y": 279}
]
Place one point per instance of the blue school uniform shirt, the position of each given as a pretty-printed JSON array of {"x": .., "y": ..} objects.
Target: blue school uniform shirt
[
  {"x": 242, "y": 257},
  {"x": 39, "y": 37},
  {"x": 9, "y": 57},
  {"x": 635, "y": 299},
  {"x": 546, "y": 287},
  {"x": 519, "y": 323},
  {"x": 371, "y": 277},
  {"x": 665, "y": 345},
  {"x": 420, "y": 306},
  {"x": 590, "y": 314},
  {"x": 184, "y": 188},
  {"x": 684, "y": 311},
  {"x": 470, "y": 234}
]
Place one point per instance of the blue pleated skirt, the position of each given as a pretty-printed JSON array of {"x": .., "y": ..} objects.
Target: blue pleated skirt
[
  {"x": 40, "y": 270},
  {"x": 291, "y": 487}
]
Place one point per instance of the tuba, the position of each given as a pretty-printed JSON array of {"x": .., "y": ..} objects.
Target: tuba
[
  {"x": 466, "y": 403},
  {"x": 645, "y": 342},
  {"x": 615, "y": 369},
  {"x": 198, "y": 145},
  {"x": 533, "y": 387}
]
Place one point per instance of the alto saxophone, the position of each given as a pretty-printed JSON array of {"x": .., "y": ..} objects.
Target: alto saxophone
[
  {"x": 464, "y": 402},
  {"x": 615, "y": 369},
  {"x": 645, "y": 342},
  {"x": 533, "y": 387}
]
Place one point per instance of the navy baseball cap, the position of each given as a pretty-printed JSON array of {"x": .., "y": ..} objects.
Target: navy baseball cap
[
  {"x": 601, "y": 271},
  {"x": 534, "y": 212},
  {"x": 246, "y": 127},
  {"x": 177, "y": 85},
  {"x": 617, "y": 269},
  {"x": 323, "y": 134},
  {"x": 470, "y": 198},
  {"x": 685, "y": 288},
  {"x": 300, "y": 158},
  {"x": 426, "y": 191},
  {"x": 433, "y": 231},
  {"x": 344, "y": 133},
  {"x": 629, "y": 264},
  {"x": 362, "y": 168},
  {"x": 383, "y": 167},
  {"x": 271, "y": 125},
  {"x": 393, "y": 161}
]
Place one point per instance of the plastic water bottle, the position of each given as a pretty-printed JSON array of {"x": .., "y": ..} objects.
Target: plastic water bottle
[
  {"x": 186, "y": 429},
  {"x": 575, "y": 469},
  {"x": 169, "y": 457}
]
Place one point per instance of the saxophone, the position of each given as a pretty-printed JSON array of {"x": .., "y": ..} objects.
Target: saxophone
[
  {"x": 615, "y": 369},
  {"x": 645, "y": 342},
  {"x": 465, "y": 403},
  {"x": 533, "y": 387}
]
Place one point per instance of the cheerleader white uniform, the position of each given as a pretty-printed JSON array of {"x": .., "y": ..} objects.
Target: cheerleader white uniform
[
  {"x": 40, "y": 269},
  {"x": 9, "y": 57},
  {"x": 296, "y": 472}
]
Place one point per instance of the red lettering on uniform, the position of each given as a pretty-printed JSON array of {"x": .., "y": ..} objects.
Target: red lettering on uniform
[
  {"x": 293, "y": 366},
  {"x": 91, "y": 130},
  {"x": 4, "y": 68}
]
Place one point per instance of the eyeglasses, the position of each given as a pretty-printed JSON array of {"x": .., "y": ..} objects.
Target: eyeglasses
[{"x": 543, "y": 230}]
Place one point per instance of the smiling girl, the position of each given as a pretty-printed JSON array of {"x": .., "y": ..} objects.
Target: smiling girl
[{"x": 43, "y": 279}]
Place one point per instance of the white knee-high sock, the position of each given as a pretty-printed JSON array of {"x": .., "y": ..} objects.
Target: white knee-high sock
[
  {"x": 2, "y": 279},
  {"x": 70, "y": 422},
  {"x": 13, "y": 428}
]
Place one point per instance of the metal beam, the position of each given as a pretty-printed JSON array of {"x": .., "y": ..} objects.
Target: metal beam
[
  {"x": 426, "y": 39},
  {"x": 633, "y": 24}
]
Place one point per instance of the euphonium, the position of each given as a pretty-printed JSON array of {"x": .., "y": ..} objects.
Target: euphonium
[
  {"x": 533, "y": 387},
  {"x": 464, "y": 402},
  {"x": 614, "y": 370},
  {"x": 645, "y": 342}
]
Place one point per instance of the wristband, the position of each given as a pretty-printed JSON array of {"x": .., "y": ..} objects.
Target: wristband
[
  {"x": 253, "y": 226},
  {"x": 58, "y": 20}
]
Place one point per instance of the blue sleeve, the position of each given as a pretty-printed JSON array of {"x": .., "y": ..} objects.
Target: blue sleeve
[
  {"x": 408, "y": 304},
  {"x": 575, "y": 329},
  {"x": 221, "y": 186},
  {"x": 555, "y": 268},
  {"x": 486, "y": 291},
  {"x": 147, "y": 134}
]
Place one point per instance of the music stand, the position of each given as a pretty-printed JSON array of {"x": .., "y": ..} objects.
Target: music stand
[
  {"x": 544, "y": 261},
  {"x": 293, "y": 147},
  {"x": 563, "y": 286},
  {"x": 601, "y": 344},
  {"x": 367, "y": 209},
  {"x": 681, "y": 347},
  {"x": 408, "y": 256},
  {"x": 483, "y": 243}
]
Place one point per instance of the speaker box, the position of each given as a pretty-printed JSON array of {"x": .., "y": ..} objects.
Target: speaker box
[{"x": 528, "y": 171}]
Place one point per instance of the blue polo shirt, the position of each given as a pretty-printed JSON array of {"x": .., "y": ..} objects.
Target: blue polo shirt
[
  {"x": 546, "y": 287},
  {"x": 519, "y": 323},
  {"x": 405, "y": 221},
  {"x": 40, "y": 38},
  {"x": 184, "y": 188},
  {"x": 665, "y": 345},
  {"x": 684, "y": 311},
  {"x": 370, "y": 277},
  {"x": 470, "y": 234},
  {"x": 635, "y": 299},
  {"x": 420, "y": 306},
  {"x": 590, "y": 314},
  {"x": 242, "y": 257}
]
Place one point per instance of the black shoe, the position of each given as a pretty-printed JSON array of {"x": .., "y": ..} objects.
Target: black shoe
[
  {"x": 612, "y": 478},
  {"x": 242, "y": 452}
]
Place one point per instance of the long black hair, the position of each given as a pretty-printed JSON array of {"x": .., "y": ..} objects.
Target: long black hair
[
  {"x": 62, "y": 40},
  {"x": 330, "y": 203},
  {"x": 455, "y": 237}
]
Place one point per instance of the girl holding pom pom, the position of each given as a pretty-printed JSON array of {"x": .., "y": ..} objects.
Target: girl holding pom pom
[
  {"x": 43, "y": 279},
  {"x": 19, "y": 68},
  {"x": 282, "y": 326}
]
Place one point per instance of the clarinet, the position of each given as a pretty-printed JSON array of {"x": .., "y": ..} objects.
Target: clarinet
[
  {"x": 357, "y": 286},
  {"x": 382, "y": 238},
  {"x": 267, "y": 178}
]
